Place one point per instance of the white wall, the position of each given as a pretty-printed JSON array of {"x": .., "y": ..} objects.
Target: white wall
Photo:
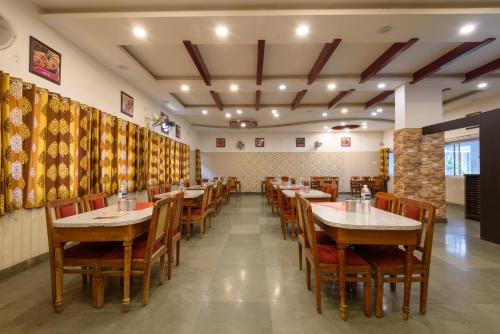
[
  {"x": 285, "y": 142},
  {"x": 23, "y": 233}
]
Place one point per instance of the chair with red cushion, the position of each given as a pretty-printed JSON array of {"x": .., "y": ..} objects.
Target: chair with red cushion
[
  {"x": 332, "y": 190},
  {"x": 323, "y": 260},
  {"x": 174, "y": 234},
  {"x": 152, "y": 191},
  {"x": 93, "y": 202},
  {"x": 165, "y": 188},
  {"x": 287, "y": 214},
  {"x": 80, "y": 258},
  {"x": 321, "y": 236},
  {"x": 389, "y": 265},
  {"x": 198, "y": 215},
  {"x": 272, "y": 196},
  {"x": 144, "y": 252}
]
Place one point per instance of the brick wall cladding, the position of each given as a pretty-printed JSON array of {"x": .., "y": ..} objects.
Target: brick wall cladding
[{"x": 419, "y": 167}]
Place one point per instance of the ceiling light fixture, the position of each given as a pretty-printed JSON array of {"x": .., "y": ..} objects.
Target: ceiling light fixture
[
  {"x": 204, "y": 112},
  {"x": 239, "y": 112},
  {"x": 274, "y": 111},
  {"x": 482, "y": 85},
  {"x": 343, "y": 123},
  {"x": 379, "y": 110},
  {"x": 344, "y": 110},
  {"x": 243, "y": 125},
  {"x": 276, "y": 115},
  {"x": 233, "y": 87},
  {"x": 331, "y": 86},
  {"x": 222, "y": 31},
  {"x": 302, "y": 30},
  {"x": 139, "y": 32},
  {"x": 365, "y": 127},
  {"x": 185, "y": 88},
  {"x": 374, "y": 113},
  {"x": 282, "y": 87},
  {"x": 364, "y": 123},
  {"x": 381, "y": 85},
  {"x": 324, "y": 114},
  {"x": 325, "y": 127},
  {"x": 467, "y": 29},
  {"x": 228, "y": 115}
]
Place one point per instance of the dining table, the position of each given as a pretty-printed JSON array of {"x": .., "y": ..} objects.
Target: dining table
[
  {"x": 376, "y": 227},
  {"x": 101, "y": 225}
]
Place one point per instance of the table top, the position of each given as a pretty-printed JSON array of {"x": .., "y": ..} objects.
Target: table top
[
  {"x": 313, "y": 193},
  {"x": 287, "y": 187},
  {"x": 188, "y": 194},
  {"x": 88, "y": 219},
  {"x": 335, "y": 215}
]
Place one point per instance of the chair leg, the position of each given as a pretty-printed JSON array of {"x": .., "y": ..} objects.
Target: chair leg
[
  {"x": 293, "y": 229},
  {"x": 393, "y": 285},
  {"x": 300, "y": 255},
  {"x": 308, "y": 274},
  {"x": 424, "y": 286},
  {"x": 317, "y": 287},
  {"x": 367, "y": 293},
  {"x": 97, "y": 287},
  {"x": 202, "y": 228},
  {"x": 283, "y": 228},
  {"x": 379, "y": 293},
  {"x": 272, "y": 208},
  {"x": 162, "y": 268},
  {"x": 145, "y": 285},
  {"x": 84, "y": 279}
]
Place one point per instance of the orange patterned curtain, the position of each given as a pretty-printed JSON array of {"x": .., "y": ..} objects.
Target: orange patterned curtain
[
  {"x": 198, "y": 166},
  {"x": 186, "y": 162},
  {"x": 122, "y": 151},
  {"x": 142, "y": 158},
  {"x": 107, "y": 161},
  {"x": 83, "y": 147},
  {"x": 74, "y": 112},
  {"x": 168, "y": 178},
  {"x": 153, "y": 158},
  {"x": 131, "y": 156},
  {"x": 51, "y": 179},
  {"x": 95, "y": 169}
]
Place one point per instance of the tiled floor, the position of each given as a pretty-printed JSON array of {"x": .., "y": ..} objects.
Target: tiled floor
[{"x": 243, "y": 278}]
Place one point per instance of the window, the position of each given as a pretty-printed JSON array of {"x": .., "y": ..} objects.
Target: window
[
  {"x": 391, "y": 164},
  {"x": 461, "y": 158}
]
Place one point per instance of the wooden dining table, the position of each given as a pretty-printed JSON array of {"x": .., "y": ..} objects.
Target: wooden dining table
[
  {"x": 377, "y": 227},
  {"x": 99, "y": 226}
]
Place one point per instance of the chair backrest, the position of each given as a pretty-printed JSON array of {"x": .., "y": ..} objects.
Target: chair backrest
[
  {"x": 165, "y": 188},
  {"x": 152, "y": 191},
  {"x": 176, "y": 214},
  {"x": 93, "y": 202},
  {"x": 425, "y": 213},
  {"x": 332, "y": 190},
  {"x": 207, "y": 196},
  {"x": 366, "y": 178},
  {"x": 284, "y": 178},
  {"x": 315, "y": 184},
  {"x": 300, "y": 216},
  {"x": 159, "y": 225},
  {"x": 309, "y": 229},
  {"x": 218, "y": 192},
  {"x": 281, "y": 201},
  {"x": 386, "y": 201},
  {"x": 355, "y": 178},
  {"x": 60, "y": 208}
]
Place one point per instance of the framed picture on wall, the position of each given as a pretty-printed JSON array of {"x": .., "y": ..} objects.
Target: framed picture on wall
[
  {"x": 345, "y": 141},
  {"x": 220, "y": 142},
  {"x": 300, "y": 142},
  {"x": 127, "y": 104},
  {"x": 259, "y": 142},
  {"x": 44, "y": 61},
  {"x": 177, "y": 131}
]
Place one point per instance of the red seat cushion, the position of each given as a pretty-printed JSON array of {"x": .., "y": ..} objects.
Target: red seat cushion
[
  {"x": 88, "y": 250},
  {"x": 67, "y": 210},
  {"x": 383, "y": 204},
  {"x": 98, "y": 203},
  {"x": 138, "y": 251},
  {"x": 287, "y": 211},
  {"x": 328, "y": 254},
  {"x": 375, "y": 249},
  {"x": 323, "y": 238},
  {"x": 396, "y": 257},
  {"x": 412, "y": 212}
]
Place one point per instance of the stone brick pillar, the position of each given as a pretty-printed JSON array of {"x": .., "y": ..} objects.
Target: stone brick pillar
[{"x": 419, "y": 167}]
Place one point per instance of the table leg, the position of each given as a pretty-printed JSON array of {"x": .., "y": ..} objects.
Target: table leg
[
  {"x": 408, "y": 277},
  {"x": 59, "y": 266},
  {"x": 127, "y": 264},
  {"x": 342, "y": 282}
]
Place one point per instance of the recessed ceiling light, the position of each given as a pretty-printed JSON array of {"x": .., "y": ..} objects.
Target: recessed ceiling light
[
  {"x": 344, "y": 110},
  {"x": 243, "y": 125},
  {"x": 365, "y": 127},
  {"x": 381, "y": 85},
  {"x": 343, "y": 123},
  {"x": 282, "y": 87},
  {"x": 324, "y": 114},
  {"x": 228, "y": 115},
  {"x": 325, "y": 127},
  {"x": 329, "y": 130},
  {"x": 467, "y": 29},
  {"x": 364, "y": 123},
  {"x": 222, "y": 31},
  {"x": 379, "y": 110},
  {"x": 139, "y": 32},
  {"x": 374, "y": 113},
  {"x": 239, "y": 112},
  {"x": 331, "y": 86},
  {"x": 274, "y": 111},
  {"x": 276, "y": 115},
  {"x": 185, "y": 88},
  {"x": 233, "y": 88},
  {"x": 302, "y": 30},
  {"x": 204, "y": 112},
  {"x": 482, "y": 85}
]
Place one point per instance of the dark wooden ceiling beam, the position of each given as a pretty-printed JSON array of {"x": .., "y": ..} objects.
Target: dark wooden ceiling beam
[
  {"x": 298, "y": 98},
  {"x": 195, "y": 54},
  {"x": 257, "y": 100},
  {"x": 482, "y": 70},
  {"x": 217, "y": 100},
  {"x": 389, "y": 55},
  {"x": 322, "y": 59},
  {"x": 339, "y": 97},
  {"x": 379, "y": 98},
  {"x": 261, "y": 45},
  {"x": 460, "y": 51}
]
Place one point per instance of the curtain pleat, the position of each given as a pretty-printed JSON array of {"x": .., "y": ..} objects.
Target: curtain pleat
[
  {"x": 95, "y": 170},
  {"x": 131, "y": 157},
  {"x": 122, "y": 129},
  {"x": 198, "y": 166},
  {"x": 153, "y": 159},
  {"x": 168, "y": 174},
  {"x": 384, "y": 163},
  {"x": 107, "y": 162},
  {"x": 83, "y": 142},
  {"x": 74, "y": 111}
]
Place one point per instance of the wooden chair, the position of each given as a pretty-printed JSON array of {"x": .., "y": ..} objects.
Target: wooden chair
[
  {"x": 233, "y": 184},
  {"x": 366, "y": 179},
  {"x": 225, "y": 193},
  {"x": 93, "y": 202},
  {"x": 321, "y": 236},
  {"x": 152, "y": 191},
  {"x": 389, "y": 266},
  {"x": 174, "y": 233},
  {"x": 355, "y": 178},
  {"x": 323, "y": 260},
  {"x": 273, "y": 197},
  {"x": 144, "y": 253},
  {"x": 198, "y": 215},
  {"x": 332, "y": 190},
  {"x": 218, "y": 199},
  {"x": 356, "y": 186},
  {"x": 81, "y": 258},
  {"x": 165, "y": 188},
  {"x": 386, "y": 201},
  {"x": 377, "y": 184},
  {"x": 285, "y": 178},
  {"x": 211, "y": 205},
  {"x": 287, "y": 214}
]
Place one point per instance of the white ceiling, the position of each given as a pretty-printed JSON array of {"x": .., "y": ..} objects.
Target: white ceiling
[{"x": 160, "y": 64}]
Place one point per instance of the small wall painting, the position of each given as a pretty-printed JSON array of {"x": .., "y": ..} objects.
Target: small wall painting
[
  {"x": 259, "y": 142},
  {"x": 127, "y": 104},
  {"x": 178, "y": 131},
  {"x": 300, "y": 142},
  {"x": 345, "y": 141},
  {"x": 220, "y": 142},
  {"x": 44, "y": 61}
]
